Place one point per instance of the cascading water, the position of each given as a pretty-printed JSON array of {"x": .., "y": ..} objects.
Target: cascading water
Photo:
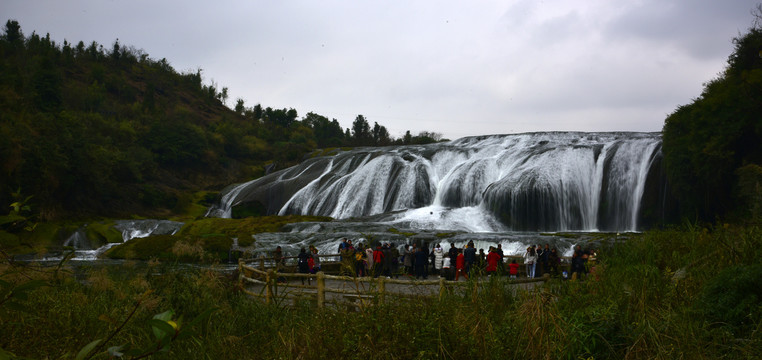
[
  {"x": 525, "y": 182},
  {"x": 130, "y": 229},
  {"x": 77, "y": 240}
]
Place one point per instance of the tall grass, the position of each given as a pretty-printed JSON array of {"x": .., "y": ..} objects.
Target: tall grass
[{"x": 651, "y": 296}]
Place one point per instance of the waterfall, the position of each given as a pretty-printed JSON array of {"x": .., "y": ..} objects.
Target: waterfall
[
  {"x": 77, "y": 240},
  {"x": 132, "y": 229},
  {"x": 553, "y": 181}
]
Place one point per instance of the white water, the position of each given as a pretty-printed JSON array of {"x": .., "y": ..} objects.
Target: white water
[
  {"x": 540, "y": 181},
  {"x": 131, "y": 229}
]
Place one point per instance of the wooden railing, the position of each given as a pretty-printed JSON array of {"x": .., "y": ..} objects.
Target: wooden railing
[{"x": 271, "y": 281}]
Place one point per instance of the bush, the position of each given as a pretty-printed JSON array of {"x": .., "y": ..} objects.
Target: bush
[{"x": 734, "y": 297}]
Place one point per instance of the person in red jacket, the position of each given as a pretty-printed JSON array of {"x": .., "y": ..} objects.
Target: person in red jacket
[
  {"x": 460, "y": 266},
  {"x": 513, "y": 269},
  {"x": 493, "y": 258},
  {"x": 378, "y": 259}
]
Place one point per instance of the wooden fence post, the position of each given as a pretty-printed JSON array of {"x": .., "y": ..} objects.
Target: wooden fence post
[
  {"x": 320, "y": 289},
  {"x": 441, "y": 287},
  {"x": 262, "y": 262},
  {"x": 240, "y": 273},
  {"x": 381, "y": 289},
  {"x": 269, "y": 286}
]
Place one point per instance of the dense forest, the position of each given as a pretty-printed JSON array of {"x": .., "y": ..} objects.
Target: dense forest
[
  {"x": 713, "y": 146},
  {"x": 92, "y": 130}
]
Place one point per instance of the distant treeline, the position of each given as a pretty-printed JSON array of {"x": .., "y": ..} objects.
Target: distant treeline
[{"x": 89, "y": 130}]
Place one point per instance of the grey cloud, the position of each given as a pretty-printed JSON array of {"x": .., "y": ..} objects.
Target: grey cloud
[
  {"x": 449, "y": 66},
  {"x": 703, "y": 28}
]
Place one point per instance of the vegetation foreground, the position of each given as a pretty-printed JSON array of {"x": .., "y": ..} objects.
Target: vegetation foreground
[{"x": 687, "y": 293}]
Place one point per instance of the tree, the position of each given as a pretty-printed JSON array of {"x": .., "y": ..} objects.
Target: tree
[
  {"x": 115, "y": 51},
  {"x": 708, "y": 141},
  {"x": 380, "y": 135},
  {"x": 239, "y": 108},
  {"x": 326, "y": 133},
  {"x": 13, "y": 34},
  {"x": 224, "y": 95},
  {"x": 47, "y": 85},
  {"x": 408, "y": 138},
  {"x": 361, "y": 131}
]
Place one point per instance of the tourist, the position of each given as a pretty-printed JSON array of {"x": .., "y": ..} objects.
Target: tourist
[
  {"x": 500, "y": 265},
  {"x": 360, "y": 261},
  {"x": 278, "y": 257},
  {"x": 316, "y": 259},
  {"x": 447, "y": 272},
  {"x": 538, "y": 263},
  {"x": 348, "y": 259},
  {"x": 342, "y": 245},
  {"x": 481, "y": 261},
  {"x": 425, "y": 249},
  {"x": 395, "y": 253},
  {"x": 553, "y": 261},
  {"x": 574, "y": 267},
  {"x": 469, "y": 255},
  {"x": 589, "y": 258},
  {"x": 513, "y": 269},
  {"x": 387, "y": 263},
  {"x": 453, "y": 252},
  {"x": 421, "y": 258},
  {"x": 545, "y": 260},
  {"x": 303, "y": 263},
  {"x": 378, "y": 258},
  {"x": 578, "y": 263},
  {"x": 438, "y": 255},
  {"x": 492, "y": 260},
  {"x": 368, "y": 260},
  {"x": 460, "y": 266},
  {"x": 530, "y": 257},
  {"x": 408, "y": 259}
]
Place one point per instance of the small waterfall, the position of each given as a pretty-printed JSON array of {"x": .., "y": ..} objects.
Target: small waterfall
[
  {"x": 78, "y": 240},
  {"x": 526, "y": 182},
  {"x": 226, "y": 202},
  {"x": 132, "y": 229}
]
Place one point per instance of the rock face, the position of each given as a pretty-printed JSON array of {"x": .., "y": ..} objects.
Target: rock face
[{"x": 539, "y": 181}]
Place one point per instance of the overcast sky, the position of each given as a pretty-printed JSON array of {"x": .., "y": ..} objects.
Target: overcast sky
[{"x": 460, "y": 68}]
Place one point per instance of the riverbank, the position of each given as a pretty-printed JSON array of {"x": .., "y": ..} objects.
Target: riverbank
[{"x": 681, "y": 293}]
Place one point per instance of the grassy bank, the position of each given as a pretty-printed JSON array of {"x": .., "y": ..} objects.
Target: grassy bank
[
  {"x": 200, "y": 239},
  {"x": 205, "y": 239},
  {"x": 687, "y": 293}
]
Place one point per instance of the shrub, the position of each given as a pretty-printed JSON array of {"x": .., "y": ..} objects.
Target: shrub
[{"x": 734, "y": 297}]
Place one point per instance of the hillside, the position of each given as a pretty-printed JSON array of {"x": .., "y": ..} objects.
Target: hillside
[
  {"x": 712, "y": 145},
  {"x": 89, "y": 131},
  {"x": 95, "y": 131}
]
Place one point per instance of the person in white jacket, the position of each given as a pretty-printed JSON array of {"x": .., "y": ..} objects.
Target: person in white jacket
[
  {"x": 438, "y": 256},
  {"x": 530, "y": 260},
  {"x": 446, "y": 271}
]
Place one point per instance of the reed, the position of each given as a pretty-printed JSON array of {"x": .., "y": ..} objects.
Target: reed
[{"x": 664, "y": 294}]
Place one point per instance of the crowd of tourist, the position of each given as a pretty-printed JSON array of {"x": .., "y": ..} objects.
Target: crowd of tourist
[{"x": 419, "y": 261}]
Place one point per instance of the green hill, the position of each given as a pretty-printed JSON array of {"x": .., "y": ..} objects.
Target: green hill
[{"x": 90, "y": 130}]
